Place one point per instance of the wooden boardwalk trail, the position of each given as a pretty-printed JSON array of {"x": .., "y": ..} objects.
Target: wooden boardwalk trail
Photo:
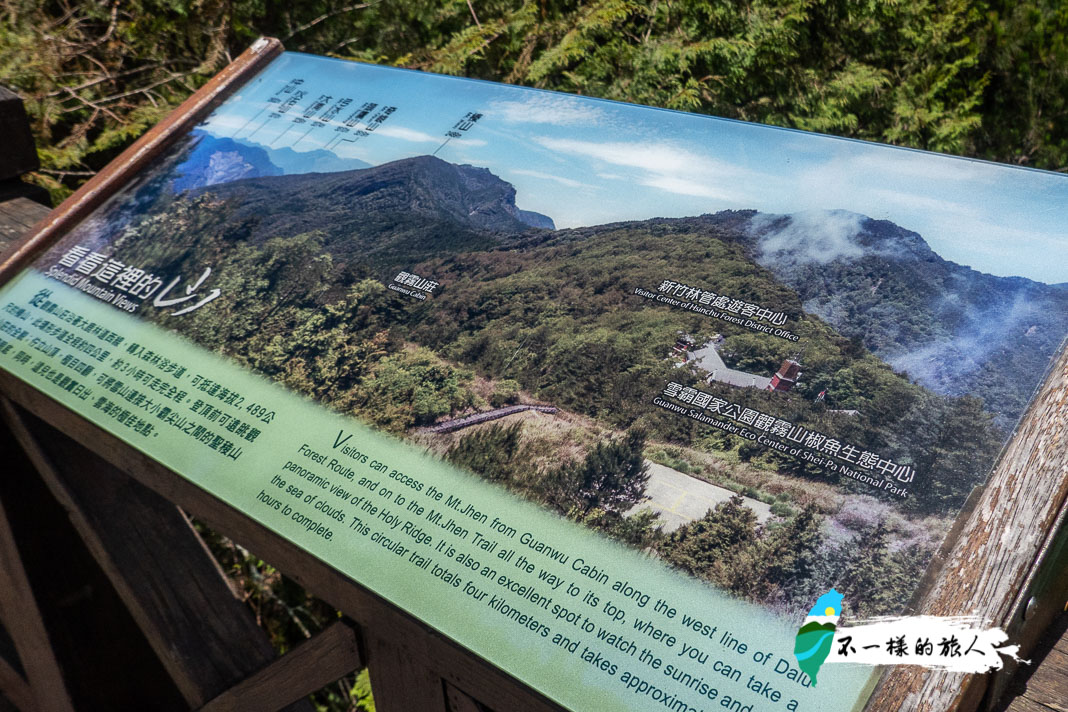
[{"x": 455, "y": 424}]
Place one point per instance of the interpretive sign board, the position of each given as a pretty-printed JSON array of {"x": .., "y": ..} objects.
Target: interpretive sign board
[{"x": 608, "y": 395}]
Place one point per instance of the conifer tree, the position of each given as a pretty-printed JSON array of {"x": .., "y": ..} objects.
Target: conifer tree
[
  {"x": 872, "y": 580},
  {"x": 490, "y": 452},
  {"x": 612, "y": 477},
  {"x": 789, "y": 554},
  {"x": 716, "y": 546}
]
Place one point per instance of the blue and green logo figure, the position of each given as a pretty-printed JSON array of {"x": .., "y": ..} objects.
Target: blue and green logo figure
[{"x": 816, "y": 636}]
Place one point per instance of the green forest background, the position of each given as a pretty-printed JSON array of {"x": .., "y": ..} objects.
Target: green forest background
[
  {"x": 984, "y": 78},
  {"x": 987, "y": 79}
]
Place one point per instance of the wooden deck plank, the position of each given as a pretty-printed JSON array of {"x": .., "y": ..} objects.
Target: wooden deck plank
[
  {"x": 17, "y": 216},
  {"x": 1045, "y": 682},
  {"x": 8, "y": 652},
  {"x": 1062, "y": 645},
  {"x": 1022, "y": 704},
  {"x": 22, "y": 211},
  {"x": 1050, "y": 686}
]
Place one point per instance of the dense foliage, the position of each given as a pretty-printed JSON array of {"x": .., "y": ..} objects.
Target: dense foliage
[
  {"x": 986, "y": 78},
  {"x": 790, "y": 564},
  {"x": 553, "y": 316},
  {"x": 561, "y": 320}
]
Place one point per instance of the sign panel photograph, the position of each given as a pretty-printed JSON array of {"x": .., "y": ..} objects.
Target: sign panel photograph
[{"x": 610, "y": 396}]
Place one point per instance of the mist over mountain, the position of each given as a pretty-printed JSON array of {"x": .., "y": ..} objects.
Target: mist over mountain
[{"x": 952, "y": 328}]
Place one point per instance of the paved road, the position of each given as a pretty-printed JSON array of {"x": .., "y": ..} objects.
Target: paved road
[{"x": 680, "y": 498}]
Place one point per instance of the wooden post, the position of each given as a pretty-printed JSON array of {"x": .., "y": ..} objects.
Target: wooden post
[
  {"x": 377, "y": 618},
  {"x": 69, "y": 622},
  {"x": 19, "y": 155},
  {"x": 21, "y": 615},
  {"x": 989, "y": 570},
  {"x": 999, "y": 548},
  {"x": 328, "y": 656},
  {"x": 402, "y": 677}
]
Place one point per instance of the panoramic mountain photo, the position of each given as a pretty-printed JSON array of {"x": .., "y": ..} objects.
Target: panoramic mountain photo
[{"x": 778, "y": 375}]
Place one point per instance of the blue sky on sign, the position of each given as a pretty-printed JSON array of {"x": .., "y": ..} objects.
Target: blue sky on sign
[{"x": 584, "y": 161}]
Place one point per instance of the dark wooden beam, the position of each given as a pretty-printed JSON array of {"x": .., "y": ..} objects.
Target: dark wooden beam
[
  {"x": 85, "y": 645},
  {"x": 324, "y": 658},
  {"x": 13, "y": 684},
  {"x": 15, "y": 688},
  {"x": 205, "y": 638},
  {"x": 20, "y": 154},
  {"x": 460, "y": 701},
  {"x": 401, "y": 676},
  {"x": 20, "y": 613}
]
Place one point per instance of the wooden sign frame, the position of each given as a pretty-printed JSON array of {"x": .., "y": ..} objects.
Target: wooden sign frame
[{"x": 1005, "y": 560}]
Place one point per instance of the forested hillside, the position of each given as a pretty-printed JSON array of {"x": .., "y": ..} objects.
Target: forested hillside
[
  {"x": 562, "y": 320},
  {"x": 303, "y": 261},
  {"x": 399, "y": 207},
  {"x": 553, "y": 317},
  {"x": 525, "y": 313},
  {"x": 953, "y": 329}
]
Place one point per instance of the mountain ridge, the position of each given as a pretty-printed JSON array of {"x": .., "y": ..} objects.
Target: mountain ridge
[
  {"x": 214, "y": 160},
  {"x": 463, "y": 192},
  {"x": 392, "y": 215},
  {"x": 315, "y": 160},
  {"x": 951, "y": 328}
]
